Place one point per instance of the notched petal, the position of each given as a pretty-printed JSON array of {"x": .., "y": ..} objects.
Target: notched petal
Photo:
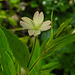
[
  {"x": 46, "y": 23},
  {"x": 31, "y": 32},
  {"x": 36, "y": 17},
  {"x": 44, "y": 28},
  {"x": 26, "y": 19},
  {"x": 22, "y": 23},
  {"x": 26, "y": 25},
  {"x": 41, "y": 18}
]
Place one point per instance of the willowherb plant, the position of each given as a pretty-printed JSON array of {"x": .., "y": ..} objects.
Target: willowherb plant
[{"x": 12, "y": 50}]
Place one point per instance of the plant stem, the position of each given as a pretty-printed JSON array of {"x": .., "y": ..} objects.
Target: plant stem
[
  {"x": 36, "y": 62},
  {"x": 34, "y": 41}
]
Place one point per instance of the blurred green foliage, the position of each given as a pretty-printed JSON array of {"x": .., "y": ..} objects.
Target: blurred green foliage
[{"x": 11, "y": 12}]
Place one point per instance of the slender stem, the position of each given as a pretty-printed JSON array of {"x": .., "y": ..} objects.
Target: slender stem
[
  {"x": 36, "y": 62},
  {"x": 34, "y": 41}
]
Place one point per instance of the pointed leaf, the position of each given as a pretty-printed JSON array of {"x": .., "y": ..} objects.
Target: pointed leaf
[
  {"x": 35, "y": 56},
  {"x": 46, "y": 69},
  {"x": 6, "y": 61},
  {"x": 19, "y": 50},
  {"x": 62, "y": 26},
  {"x": 59, "y": 43}
]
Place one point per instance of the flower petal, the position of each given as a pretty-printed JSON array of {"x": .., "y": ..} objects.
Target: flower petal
[
  {"x": 36, "y": 17},
  {"x": 31, "y": 32},
  {"x": 45, "y": 26},
  {"x": 26, "y": 25},
  {"x": 41, "y": 18},
  {"x": 27, "y": 20},
  {"x": 37, "y": 32},
  {"x": 34, "y": 32},
  {"x": 46, "y": 23}
]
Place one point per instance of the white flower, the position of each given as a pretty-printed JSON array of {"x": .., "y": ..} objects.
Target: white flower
[{"x": 36, "y": 25}]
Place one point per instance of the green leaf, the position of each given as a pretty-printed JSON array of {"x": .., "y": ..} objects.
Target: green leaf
[
  {"x": 49, "y": 65},
  {"x": 52, "y": 25},
  {"x": 36, "y": 51},
  {"x": 44, "y": 70},
  {"x": 14, "y": 1},
  {"x": 72, "y": 71},
  {"x": 64, "y": 7},
  {"x": 62, "y": 26},
  {"x": 59, "y": 43},
  {"x": 35, "y": 56},
  {"x": 43, "y": 46},
  {"x": 2, "y": 16},
  {"x": 45, "y": 35},
  {"x": 7, "y": 64},
  {"x": 6, "y": 61},
  {"x": 12, "y": 21},
  {"x": 0, "y": 67},
  {"x": 19, "y": 50},
  {"x": 34, "y": 4},
  {"x": 52, "y": 32}
]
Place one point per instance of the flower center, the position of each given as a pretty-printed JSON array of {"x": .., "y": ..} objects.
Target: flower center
[{"x": 36, "y": 28}]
